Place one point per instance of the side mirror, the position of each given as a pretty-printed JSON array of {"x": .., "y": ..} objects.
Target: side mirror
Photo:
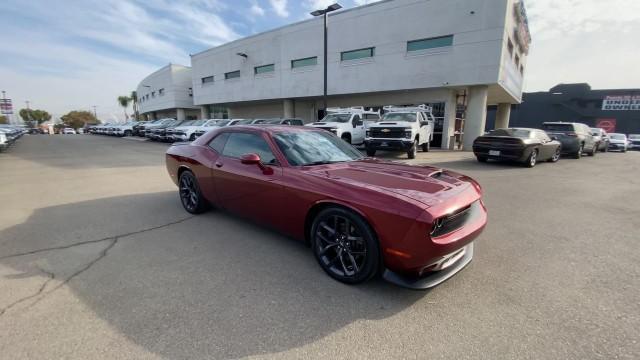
[
  {"x": 254, "y": 159},
  {"x": 359, "y": 122},
  {"x": 554, "y": 138}
]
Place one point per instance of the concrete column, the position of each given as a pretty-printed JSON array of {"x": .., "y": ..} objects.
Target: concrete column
[
  {"x": 289, "y": 110},
  {"x": 476, "y": 115},
  {"x": 502, "y": 116},
  {"x": 449, "y": 123},
  {"x": 181, "y": 114},
  {"x": 154, "y": 116},
  {"x": 204, "y": 112}
]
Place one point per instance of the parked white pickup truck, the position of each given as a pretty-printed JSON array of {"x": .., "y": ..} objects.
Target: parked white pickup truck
[
  {"x": 348, "y": 124},
  {"x": 401, "y": 129}
]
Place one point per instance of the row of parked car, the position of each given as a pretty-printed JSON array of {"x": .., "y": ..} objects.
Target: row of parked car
[
  {"x": 9, "y": 134},
  {"x": 530, "y": 146},
  {"x": 392, "y": 128}
]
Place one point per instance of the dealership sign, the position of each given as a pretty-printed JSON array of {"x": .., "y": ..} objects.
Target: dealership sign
[
  {"x": 619, "y": 103},
  {"x": 521, "y": 31},
  {"x": 6, "y": 108},
  {"x": 608, "y": 125}
]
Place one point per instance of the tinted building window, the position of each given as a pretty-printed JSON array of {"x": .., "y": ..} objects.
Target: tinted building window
[
  {"x": 264, "y": 69},
  {"x": 232, "y": 75},
  {"x": 310, "y": 61},
  {"x": 357, "y": 54},
  {"x": 432, "y": 43},
  {"x": 208, "y": 79}
]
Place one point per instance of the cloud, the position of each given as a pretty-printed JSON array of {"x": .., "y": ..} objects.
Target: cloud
[
  {"x": 256, "y": 9},
  {"x": 280, "y": 7}
]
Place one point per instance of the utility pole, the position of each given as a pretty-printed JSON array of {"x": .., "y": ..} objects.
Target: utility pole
[
  {"x": 323, "y": 13},
  {"x": 4, "y": 102},
  {"x": 94, "y": 112}
]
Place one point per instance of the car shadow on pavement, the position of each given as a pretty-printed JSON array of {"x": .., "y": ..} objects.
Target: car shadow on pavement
[{"x": 181, "y": 286}]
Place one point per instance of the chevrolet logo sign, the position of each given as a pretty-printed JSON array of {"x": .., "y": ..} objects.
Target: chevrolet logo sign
[{"x": 385, "y": 130}]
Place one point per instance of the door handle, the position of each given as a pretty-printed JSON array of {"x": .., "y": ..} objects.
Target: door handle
[{"x": 218, "y": 164}]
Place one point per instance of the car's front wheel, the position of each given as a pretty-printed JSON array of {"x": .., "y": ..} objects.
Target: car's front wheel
[
  {"x": 426, "y": 147},
  {"x": 413, "y": 151},
  {"x": 190, "y": 194},
  {"x": 532, "y": 160},
  {"x": 578, "y": 155},
  {"x": 556, "y": 155},
  {"x": 345, "y": 246}
]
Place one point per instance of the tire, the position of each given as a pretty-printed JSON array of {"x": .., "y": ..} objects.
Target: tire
[
  {"x": 578, "y": 155},
  {"x": 346, "y": 138},
  {"x": 190, "y": 195},
  {"x": 532, "y": 160},
  {"x": 482, "y": 159},
  {"x": 350, "y": 261},
  {"x": 426, "y": 147},
  {"x": 411, "y": 153},
  {"x": 556, "y": 155},
  {"x": 371, "y": 152},
  {"x": 127, "y": 133},
  {"x": 593, "y": 151}
]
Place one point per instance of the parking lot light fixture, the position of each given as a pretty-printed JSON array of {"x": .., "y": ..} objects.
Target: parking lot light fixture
[{"x": 323, "y": 13}]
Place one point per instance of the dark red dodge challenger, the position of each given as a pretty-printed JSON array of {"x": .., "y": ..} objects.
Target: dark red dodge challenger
[{"x": 415, "y": 225}]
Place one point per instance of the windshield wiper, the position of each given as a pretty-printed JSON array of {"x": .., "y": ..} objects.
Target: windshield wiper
[{"x": 323, "y": 162}]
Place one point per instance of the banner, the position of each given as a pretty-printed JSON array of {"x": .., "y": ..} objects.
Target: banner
[
  {"x": 621, "y": 103},
  {"x": 6, "y": 108}
]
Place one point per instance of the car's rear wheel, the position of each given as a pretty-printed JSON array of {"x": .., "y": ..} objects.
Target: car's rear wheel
[
  {"x": 413, "y": 151},
  {"x": 594, "y": 150},
  {"x": 578, "y": 155},
  {"x": 556, "y": 155},
  {"x": 345, "y": 245},
  {"x": 482, "y": 159},
  {"x": 190, "y": 195},
  {"x": 127, "y": 133},
  {"x": 532, "y": 160}
]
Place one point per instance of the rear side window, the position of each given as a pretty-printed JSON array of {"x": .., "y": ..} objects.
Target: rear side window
[
  {"x": 558, "y": 127},
  {"x": 218, "y": 142},
  {"x": 239, "y": 144}
]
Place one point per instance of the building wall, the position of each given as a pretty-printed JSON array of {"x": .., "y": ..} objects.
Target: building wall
[
  {"x": 175, "y": 80},
  {"x": 476, "y": 56}
]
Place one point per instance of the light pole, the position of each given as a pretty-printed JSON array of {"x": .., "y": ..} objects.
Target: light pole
[
  {"x": 95, "y": 114},
  {"x": 323, "y": 13}
]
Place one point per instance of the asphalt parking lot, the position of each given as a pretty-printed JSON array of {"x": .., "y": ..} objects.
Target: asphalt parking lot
[{"x": 99, "y": 260}]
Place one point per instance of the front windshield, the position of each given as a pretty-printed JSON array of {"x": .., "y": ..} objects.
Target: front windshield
[
  {"x": 272, "y": 121},
  {"x": 314, "y": 148},
  {"x": 341, "y": 118},
  {"x": 218, "y": 123},
  {"x": 617, "y": 136},
  {"x": 519, "y": 133},
  {"x": 244, "y": 122},
  {"x": 198, "y": 122},
  {"x": 634, "y": 137},
  {"x": 408, "y": 117}
]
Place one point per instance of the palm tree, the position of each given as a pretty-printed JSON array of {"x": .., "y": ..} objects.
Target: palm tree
[
  {"x": 134, "y": 99},
  {"x": 124, "y": 102}
]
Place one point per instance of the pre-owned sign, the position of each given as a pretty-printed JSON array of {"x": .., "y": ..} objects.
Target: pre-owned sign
[{"x": 624, "y": 102}]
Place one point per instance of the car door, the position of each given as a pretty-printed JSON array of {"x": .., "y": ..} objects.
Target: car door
[
  {"x": 423, "y": 128},
  {"x": 357, "y": 135},
  {"x": 547, "y": 147},
  {"x": 247, "y": 189}
]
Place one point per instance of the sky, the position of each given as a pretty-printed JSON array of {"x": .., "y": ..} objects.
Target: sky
[{"x": 68, "y": 55}]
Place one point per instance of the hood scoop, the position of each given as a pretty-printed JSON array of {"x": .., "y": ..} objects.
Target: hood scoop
[
  {"x": 319, "y": 123},
  {"x": 387, "y": 123}
]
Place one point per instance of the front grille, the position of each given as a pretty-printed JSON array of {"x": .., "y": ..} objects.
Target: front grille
[
  {"x": 387, "y": 133},
  {"x": 455, "y": 220}
]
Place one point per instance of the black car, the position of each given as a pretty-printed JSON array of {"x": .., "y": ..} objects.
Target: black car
[
  {"x": 576, "y": 138},
  {"x": 527, "y": 146}
]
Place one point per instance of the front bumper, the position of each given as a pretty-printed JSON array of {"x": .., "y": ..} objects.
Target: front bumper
[
  {"x": 615, "y": 146},
  {"x": 389, "y": 144},
  {"x": 450, "y": 265}
]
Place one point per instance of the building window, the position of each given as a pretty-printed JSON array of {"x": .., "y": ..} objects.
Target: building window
[
  {"x": 432, "y": 43},
  {"x": 510, "y": 47},
  {"x": 357, "y": 54},
  {"x": 207, "y": 79},
  {"x": 232, "y": 75},
  {"x": 153, "y": 94},
  {"x": 190, "y": 91},
  {"x": 161, "y": 92},
  {"x": 310, "y": 61},
  {"x": 517, "y": 60},
  {"x": 264, "y": 69}
]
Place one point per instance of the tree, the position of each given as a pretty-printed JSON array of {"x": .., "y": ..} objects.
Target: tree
[
  {"x": 39, "y": 116},
  {"x": 134, "y": 99},
  {"x": 124, "y": 102},
  {"x": 3, "y": 119},
  {"x": 79, "y": 118}
]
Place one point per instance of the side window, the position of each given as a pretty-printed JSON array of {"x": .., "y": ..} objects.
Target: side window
[
  {"x": 240, "y": 144},
  {"x": 542, "y": 136},
  {"x": 218, "y": 142},
  {"x": 371, "y": 117},
  {"x": 296, "y": 122},
  {"x": 356, "y": 120}
]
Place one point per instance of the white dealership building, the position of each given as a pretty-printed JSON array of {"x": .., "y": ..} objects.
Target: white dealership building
[
  {"x": 167, "y": 93},
  {"x": 457, "y": 55}
]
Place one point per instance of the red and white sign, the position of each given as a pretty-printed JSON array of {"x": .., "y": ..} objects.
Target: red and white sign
[{"x": 608, "y": 125}]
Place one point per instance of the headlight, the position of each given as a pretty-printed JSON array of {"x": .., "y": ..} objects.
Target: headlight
[
  {"x": 408, "y": 133},
  {"x": 3, "y": 137}
]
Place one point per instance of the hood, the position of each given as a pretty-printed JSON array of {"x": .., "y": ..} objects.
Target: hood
[
  {"x": 428, "y": 185},
  {"x": 617, "y": 141},
  {"x": 324, "y": 123}
]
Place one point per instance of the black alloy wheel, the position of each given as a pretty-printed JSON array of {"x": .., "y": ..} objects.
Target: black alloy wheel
[
  {"x": 532, "y": 160},
  {"x": 556, "y": 155},
  {"x": 345, "y": 246},
  {"x": 413, "y": 151},
  {"x": 190, "y": 195}
]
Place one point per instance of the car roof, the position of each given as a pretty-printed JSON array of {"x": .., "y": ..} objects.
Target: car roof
[{"x": 275, "y": 128}]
